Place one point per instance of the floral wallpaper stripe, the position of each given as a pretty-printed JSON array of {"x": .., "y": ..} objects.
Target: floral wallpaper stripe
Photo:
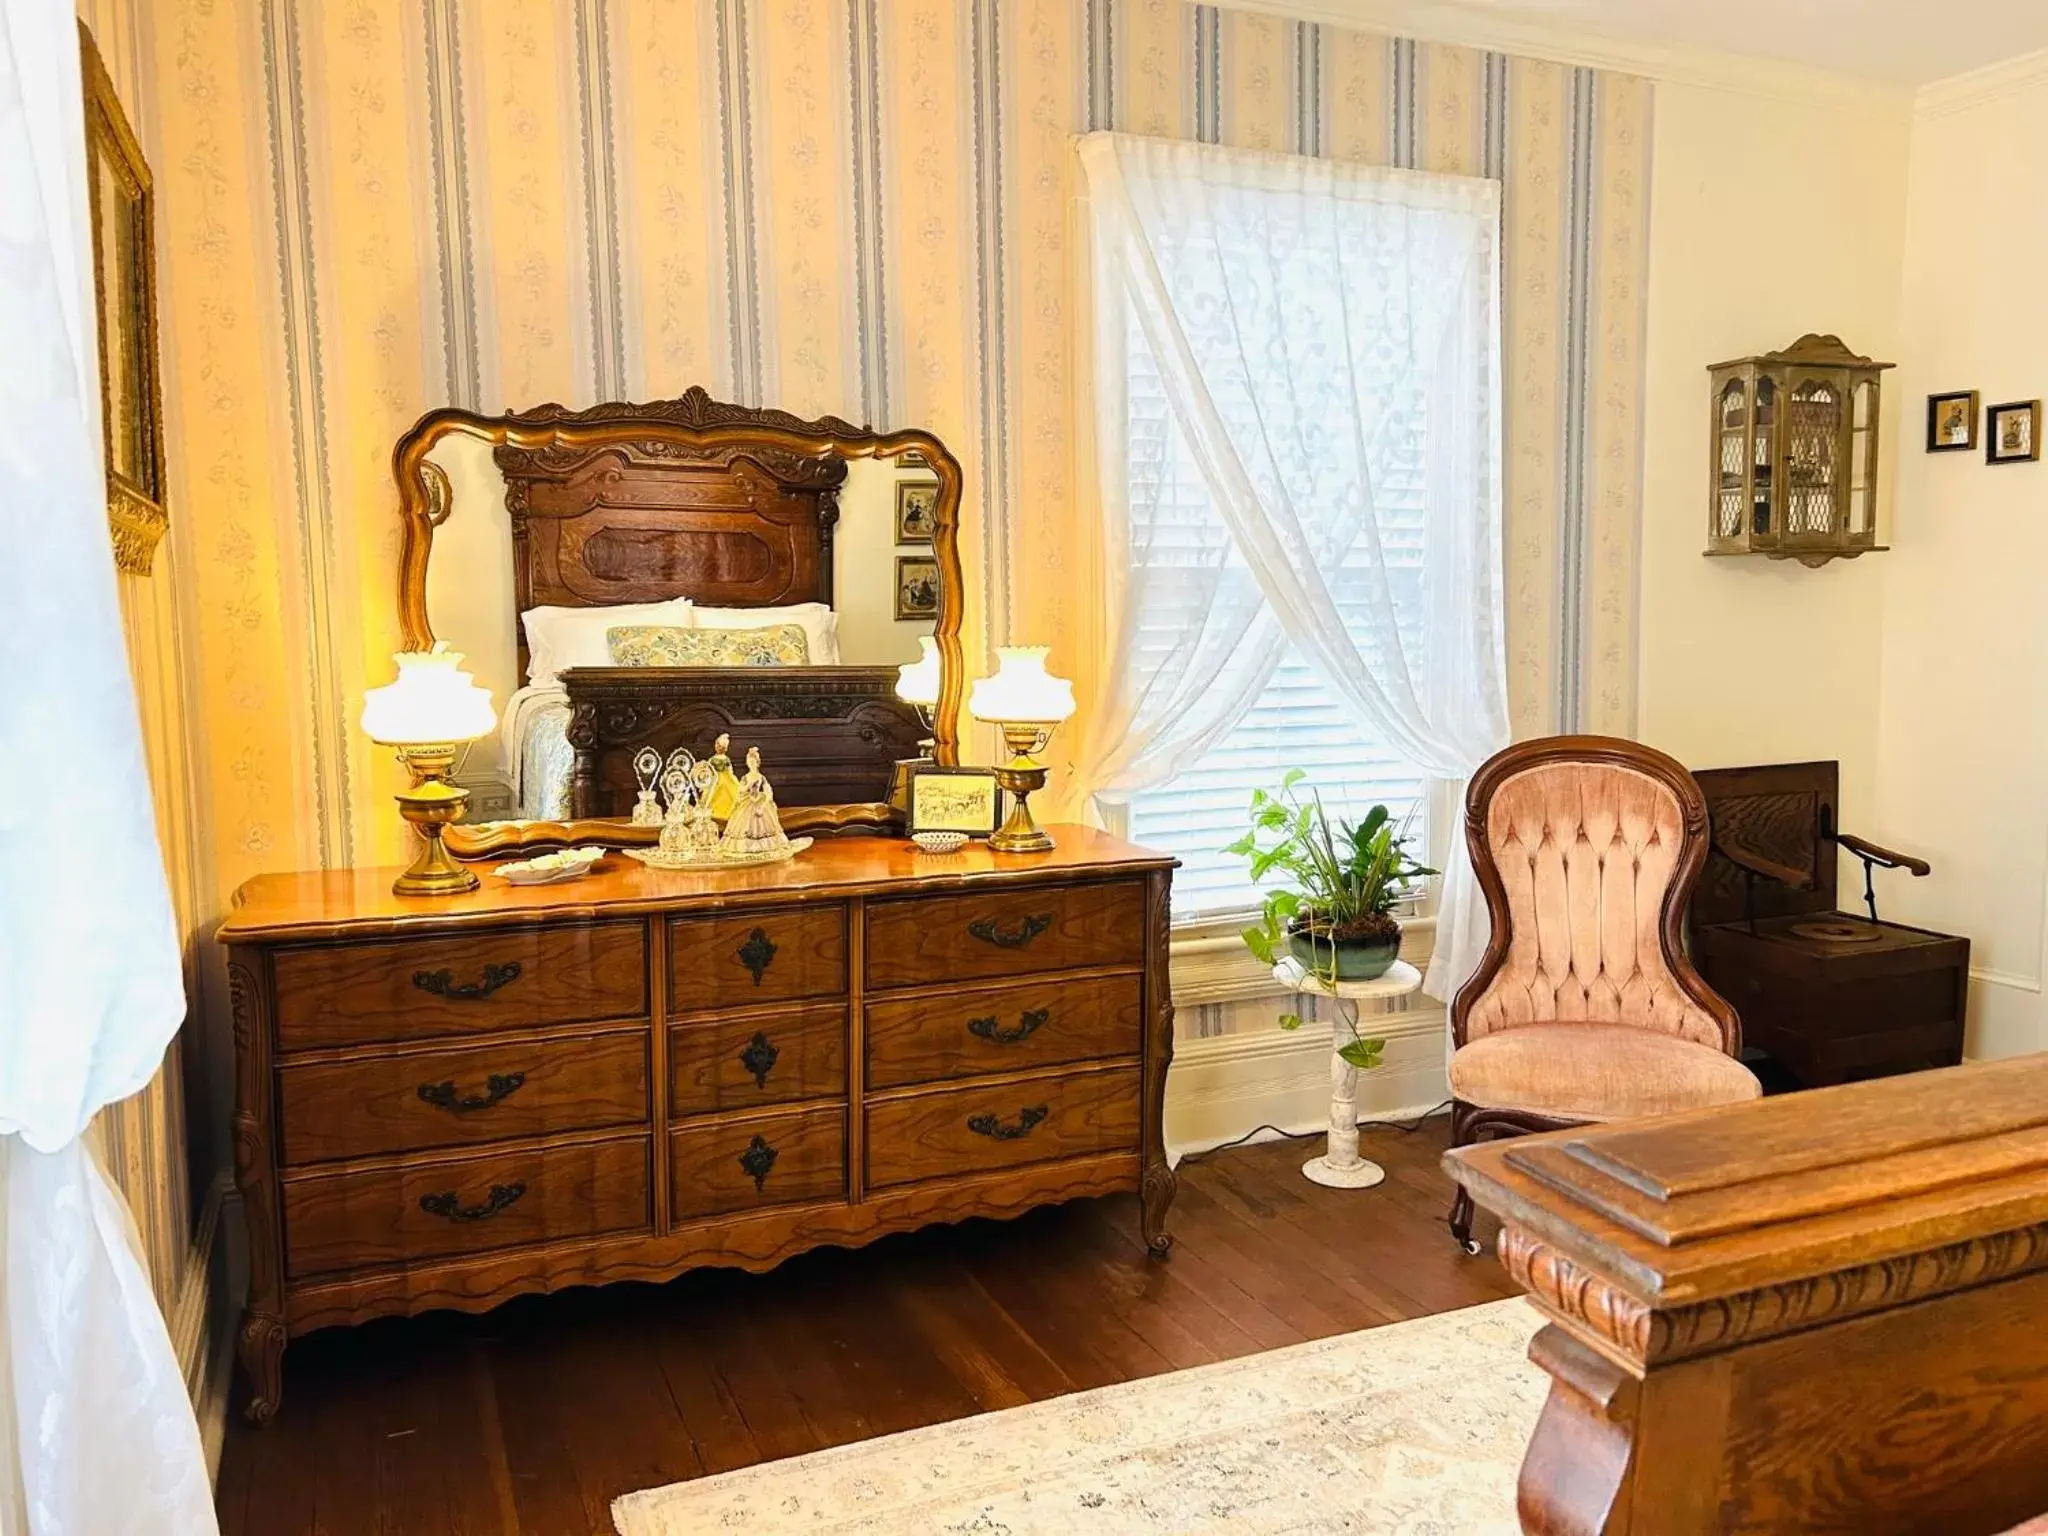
[{"x": 373, "y": 207}]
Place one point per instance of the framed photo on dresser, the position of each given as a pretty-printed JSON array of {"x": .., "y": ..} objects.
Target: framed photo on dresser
[{"x": 955, "y": 800}]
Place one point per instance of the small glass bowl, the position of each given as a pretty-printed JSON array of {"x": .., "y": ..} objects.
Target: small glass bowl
[{"x": 939, "y": 842}]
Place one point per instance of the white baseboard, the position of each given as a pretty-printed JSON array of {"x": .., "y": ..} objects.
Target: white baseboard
[{"x": 1222, "y": 1088}]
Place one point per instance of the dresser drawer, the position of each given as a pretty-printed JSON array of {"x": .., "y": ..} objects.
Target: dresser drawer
[
  {"x": 565, "y": 973},
  {"x": 940, "y": 1133},
  {"x": 761, "y": 1057},
  {"x": 417, "y": 1100},
  {"x": 756, "y": 957},
  {"x": 1036, "y": 1022},
  {"x": 1009, "y": 931},
  {"x": 372, "y": 1217},
  {"x": 748, "y": 1162}
]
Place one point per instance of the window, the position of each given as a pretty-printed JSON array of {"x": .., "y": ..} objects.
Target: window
[
  {"x": 1295, "y": 722},
  {"x": 1298, "y": 429}
]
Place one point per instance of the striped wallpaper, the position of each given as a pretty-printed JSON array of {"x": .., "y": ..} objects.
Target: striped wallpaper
[{"x": 372, "y": 207}]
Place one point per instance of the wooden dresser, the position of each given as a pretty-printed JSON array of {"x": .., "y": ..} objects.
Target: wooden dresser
[{"x": 447, "y": 1103}]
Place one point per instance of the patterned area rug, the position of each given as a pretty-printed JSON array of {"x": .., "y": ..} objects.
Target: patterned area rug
[{"x": 1416, "y": 1428}]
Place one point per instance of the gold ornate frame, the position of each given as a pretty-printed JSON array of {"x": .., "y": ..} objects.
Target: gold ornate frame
[
  {"x": 693, "y": 422},
  {"x": 135, "y": 510}
]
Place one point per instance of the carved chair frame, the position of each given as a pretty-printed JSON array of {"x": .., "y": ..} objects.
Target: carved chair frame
[{"x": 1472, "y": 1122}]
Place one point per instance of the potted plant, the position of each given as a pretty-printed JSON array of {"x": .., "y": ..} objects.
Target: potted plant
[{"x": 1333, "y": 915}]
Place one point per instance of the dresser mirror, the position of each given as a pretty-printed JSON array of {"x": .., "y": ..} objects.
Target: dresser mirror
[{"x": 654, "y": 575}]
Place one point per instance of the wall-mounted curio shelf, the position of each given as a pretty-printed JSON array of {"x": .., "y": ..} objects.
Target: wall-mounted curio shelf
[{"x": 1794, "y": 454}]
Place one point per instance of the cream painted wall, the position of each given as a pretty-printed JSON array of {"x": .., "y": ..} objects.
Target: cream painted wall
[
  {"x": 1962, "y": 746},
  {"x": 1768, "y": 218}
]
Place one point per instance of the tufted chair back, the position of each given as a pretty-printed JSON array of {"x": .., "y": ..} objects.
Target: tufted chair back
[{"x": 1587, "y": 848}]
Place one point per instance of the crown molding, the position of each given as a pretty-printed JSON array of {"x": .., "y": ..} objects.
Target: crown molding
[
  {"x": 1959, "y": 93},
  {"x": 1493, "y": 27}
]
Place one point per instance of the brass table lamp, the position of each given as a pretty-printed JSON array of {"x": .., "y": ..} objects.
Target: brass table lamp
[
  {"x": 432, "y": 711},
  {"x": 917, "y": 684},
  {"x": 1027, "y": 704}
]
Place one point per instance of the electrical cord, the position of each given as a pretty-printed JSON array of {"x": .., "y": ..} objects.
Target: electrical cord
[{"x": 1405, "y": 1128}]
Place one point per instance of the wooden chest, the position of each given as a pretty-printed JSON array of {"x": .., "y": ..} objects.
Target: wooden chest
[{"x": 448, "y": 1103}]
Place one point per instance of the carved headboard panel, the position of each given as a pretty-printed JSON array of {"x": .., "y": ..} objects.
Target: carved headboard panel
[{"x": 651, "y": 517}]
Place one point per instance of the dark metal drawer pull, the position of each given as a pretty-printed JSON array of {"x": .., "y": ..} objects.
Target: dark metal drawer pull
[
  {"x": 448, "y": 1203},
  {"x": 989, "y": 931},
  {"x": 757, "y": 953},
  {"x": 756, "y": 1161},
  {"x": 992, "y": 1030},
  {"x": 759, "y": 1058},
  {"x": 498, "y": 1087},
  {"x": 444, "y": 984},
  {"x": 991, "y": 1126}
]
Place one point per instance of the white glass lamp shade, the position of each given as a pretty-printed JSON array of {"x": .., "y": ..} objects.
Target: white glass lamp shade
[
  {"x": 434, "y": 701},
  {"x": 1021, "y": 689},
  {"x": 917, "y": 682}
]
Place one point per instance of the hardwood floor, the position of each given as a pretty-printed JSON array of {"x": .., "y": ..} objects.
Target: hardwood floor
[{"x": 529, "y": 1421}]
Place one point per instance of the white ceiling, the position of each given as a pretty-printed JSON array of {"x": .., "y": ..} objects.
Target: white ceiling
[{"x": 1901, "y": 42}]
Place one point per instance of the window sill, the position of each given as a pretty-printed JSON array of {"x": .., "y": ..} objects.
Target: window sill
[{"x": 1211, "y": 965}]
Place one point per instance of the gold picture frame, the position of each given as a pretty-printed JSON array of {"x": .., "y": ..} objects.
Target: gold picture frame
[
  {"x": 123, "y": 202},
  {"x": 917, "y": 588},
  {"x": 917, "y": 509},
  {"x": 955, "y": 800}
]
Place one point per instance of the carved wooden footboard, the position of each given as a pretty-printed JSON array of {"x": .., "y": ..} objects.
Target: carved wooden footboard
[{"x": 1826, "y": 1312}]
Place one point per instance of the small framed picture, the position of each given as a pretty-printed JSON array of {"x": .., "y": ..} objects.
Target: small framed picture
[
  {"x": 917, "y": 587},
  {"x": 1952, "y": 421},
  {"x": 954, "y": 800},
  {"x": 2012, "y": 432},
  {"x": 917, "y": 511}
]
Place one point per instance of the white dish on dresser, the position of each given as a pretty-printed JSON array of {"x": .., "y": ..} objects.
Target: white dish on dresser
[{"x": 552, "y": 868}]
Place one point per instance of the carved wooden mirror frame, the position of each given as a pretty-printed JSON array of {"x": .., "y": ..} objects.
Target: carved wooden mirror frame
[{"x": 693, "y": 422}]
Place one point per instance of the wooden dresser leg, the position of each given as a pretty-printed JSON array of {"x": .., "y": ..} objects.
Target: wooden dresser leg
[
  {"x": 1157, "y": 1190},
  {"x": 260, "y": 1345},
  {"x": 1575, "y": 1475}
]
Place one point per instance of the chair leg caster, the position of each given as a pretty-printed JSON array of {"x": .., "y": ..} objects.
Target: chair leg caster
[{"x": 1460, "y": 1223}]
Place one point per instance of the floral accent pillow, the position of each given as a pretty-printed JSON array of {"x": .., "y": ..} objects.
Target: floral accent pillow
[{"x": 661, "y": 645}]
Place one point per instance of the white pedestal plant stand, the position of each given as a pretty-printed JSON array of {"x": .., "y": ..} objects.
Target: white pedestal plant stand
[{"x": 1340, "y": 1166}]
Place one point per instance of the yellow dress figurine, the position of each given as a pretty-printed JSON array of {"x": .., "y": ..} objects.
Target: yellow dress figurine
[{"x": 725, "y": 788}]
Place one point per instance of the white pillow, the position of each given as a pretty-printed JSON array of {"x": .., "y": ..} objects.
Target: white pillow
[
  {"x": 820, "y": 625},
  {"x": 560, "y": 638}
]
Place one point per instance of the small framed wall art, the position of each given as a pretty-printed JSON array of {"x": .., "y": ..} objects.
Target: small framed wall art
[
  {"x": 917, "y": 587},
  {"x": 917, "y": 511},
  {"x": 2012, "y": 432},
  {"x": 1952, "y": 421},
  {"x": 954, "y": 800}
]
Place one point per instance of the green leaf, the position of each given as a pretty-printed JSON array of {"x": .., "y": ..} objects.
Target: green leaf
[
  {"x": 1292, "y": 777},
  {"x": 1290, "y": 1021},
  {"x": 1260, "y": 943},
  {"x": 1362, "y": 1054}
]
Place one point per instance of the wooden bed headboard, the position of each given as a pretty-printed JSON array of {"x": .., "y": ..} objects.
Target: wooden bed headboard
[{"x": 635, "y": 511}]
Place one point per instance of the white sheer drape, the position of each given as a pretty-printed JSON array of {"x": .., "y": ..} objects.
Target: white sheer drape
[
  {"x": 1321, "y": 342},
  {"x": 96, "y": 1431}
]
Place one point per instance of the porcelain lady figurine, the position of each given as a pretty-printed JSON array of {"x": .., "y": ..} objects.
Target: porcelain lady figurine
[
  {"x": 725, "y": 789},
  {"x": 753, "y": 829}
]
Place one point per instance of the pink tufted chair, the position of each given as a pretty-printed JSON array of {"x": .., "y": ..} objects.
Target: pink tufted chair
[{"x": 1584, "y": 1006}]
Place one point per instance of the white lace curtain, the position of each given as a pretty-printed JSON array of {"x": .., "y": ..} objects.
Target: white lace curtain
[
  {"x": 1298, "y": 426},
  {"x": 96, "y": 1432}
]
